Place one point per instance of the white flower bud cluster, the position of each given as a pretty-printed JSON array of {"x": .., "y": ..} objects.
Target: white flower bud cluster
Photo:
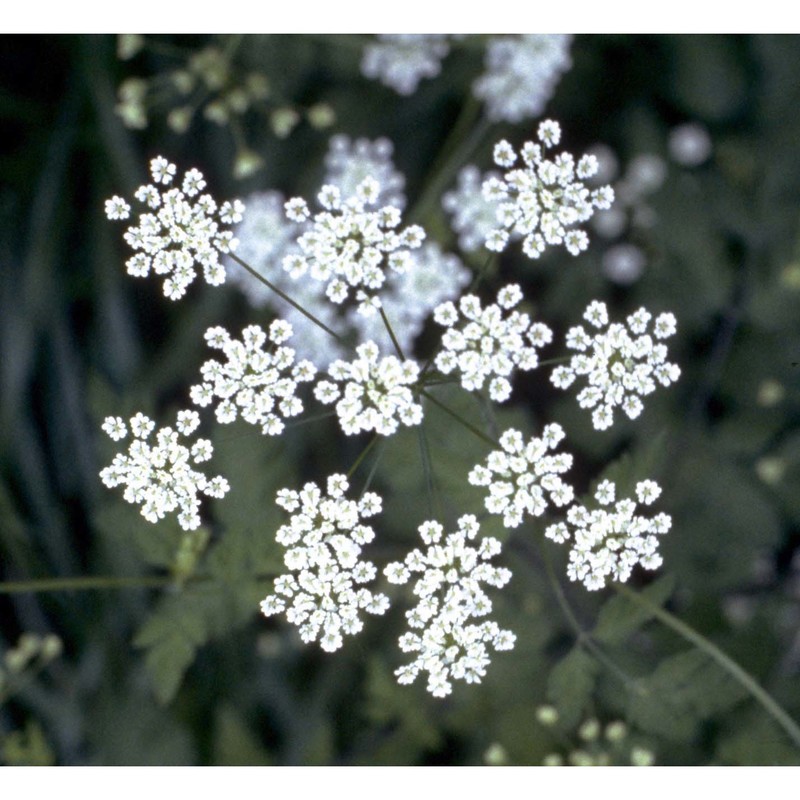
[
  {"x": 160, "y": 476},
  {"x": 543, "y": 201},
  {"x": 409, "y": 297},
  {"x": 401, "y": 60},
  {"x": 323, "y": 592},
  {"x": 349, "y": 162},
  {"x": 519, "y": 474},
  {"x": 621, "y": 364},
  {"x": 259, "y": 385},
  {"x": 350, "y": 247},
  {"x": 376, "y": 395},
  {"x": 449, "y": 646},
  {"x": 608, "y": 544},
  {"x": 179, "y": 233},
  {"x": 473, "y": 216},
  {"x": 490, "y": 343},
  {"x": 521, "y": 74}
]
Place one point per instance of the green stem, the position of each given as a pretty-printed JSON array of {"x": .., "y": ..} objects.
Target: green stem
[
  {"x": 584, "y": 638},
  {"x": 83, "y": 583},
  {"x": 557, "y": 360},
  {"x": 391, "y": 334},
  {"x": 724, "y": 661},
  {"x": 362, "y": 455},
  {"x": 469, "y": 426},
  {"x": 283, "y": 295},
  {"x": 455, "y": 151}
]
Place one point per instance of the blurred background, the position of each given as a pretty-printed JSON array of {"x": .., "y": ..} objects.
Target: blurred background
[{"x": 163, "y": 657}]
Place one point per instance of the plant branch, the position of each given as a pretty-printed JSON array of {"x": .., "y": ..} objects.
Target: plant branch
[{"x": 712, "y": 651}]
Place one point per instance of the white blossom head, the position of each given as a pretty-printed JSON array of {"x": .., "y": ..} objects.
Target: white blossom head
[
  {"x": 488, "y": 344},
  {"x": 543, "y": 200},
  {"x": 449, "y": 642},
  {"x": 521, "y": 476},
  {"x": 521, "y": 74},
  {"x": 159, "y": 475},
  {"x": 179, "y": 231},
  {"x": 324, "y": 591},
  {"x": 257, "y": 383},
  {"x": 400, "y": 61},
  {"x": 621, "y": 364},
  {"x": 372, "y": 393},
  {"x": 609, "y": 540},
  {"x": 349, "y": 247},
  {"x": 349, "y": 162}
]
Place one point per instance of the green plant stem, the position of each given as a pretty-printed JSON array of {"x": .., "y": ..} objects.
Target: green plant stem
[
  {"x": 84, "y": 583},
  {"x": 391, "y": 333},
  {"x": 455, "y": 151},
  {"x": 362, "y": 455},
  {"x": 469, "y": 426},
  {"x": 584, "y": 638},
  {"x": 712, "y": 651},
  {"x": 283, "y": 295}
]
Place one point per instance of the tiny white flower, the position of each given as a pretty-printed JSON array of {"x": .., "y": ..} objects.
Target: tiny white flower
[{"x": 117, "y": 208}]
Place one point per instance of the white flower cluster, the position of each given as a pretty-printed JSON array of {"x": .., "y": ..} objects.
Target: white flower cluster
[
  {"x": 622, "y": 364},
  {"x": 521, "y": 74},
  {"x": 490, "y": 342},
  {"x": 259, "y": 385},
  {"x": 376, "y": 395},
  {"x": 543, "y": 201},
  {"x": 159, "y": 476},
  {"x": 265, "y": 238},
  {"x": 323, "y": 591},
  {"x": 179, "y": 232},
  {"x": 349, "y": 246},
  {"x": 519, "y": 474},
  {"x": 608, "y": 544},
  {"x": 451, "y": 571},
  {"x": 401, "y": 60},
  {"x": 408, "y": 297},
  {"x": 473, "y": 216},
  {"x": 349, "y": 162}
]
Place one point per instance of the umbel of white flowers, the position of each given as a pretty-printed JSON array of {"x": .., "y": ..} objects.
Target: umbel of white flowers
[
  {"x": 355, "y": 248},
  {"x": 180, "y": 230}
]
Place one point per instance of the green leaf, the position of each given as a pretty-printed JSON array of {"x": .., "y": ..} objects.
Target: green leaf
[
  {"x": 570, "y": 685},
  {"x": 171, "y": 636},
  {"x": 684, "y": 690},
  {"x": 235, "y": 745},
  {"x": 620, "y": 617}
]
